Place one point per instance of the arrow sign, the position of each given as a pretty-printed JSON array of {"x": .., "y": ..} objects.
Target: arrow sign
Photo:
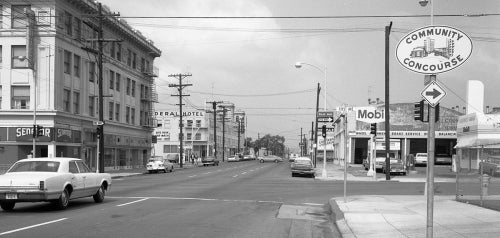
[
  {"x": 325, "y": 119},
  {"x": 433, "y": 93}
]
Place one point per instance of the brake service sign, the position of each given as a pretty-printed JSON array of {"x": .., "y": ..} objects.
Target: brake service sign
[{"x": 433, "y": 49}]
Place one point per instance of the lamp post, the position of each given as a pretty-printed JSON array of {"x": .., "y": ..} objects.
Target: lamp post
[
  {"x": 299, "y": 65},
  {"x": 32, "y": 66}
]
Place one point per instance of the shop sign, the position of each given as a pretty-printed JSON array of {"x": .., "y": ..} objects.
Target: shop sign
[
  {"x": 26, "y": 134},
  {"x": 63, "y": 135},
  {"x": 159, "y": 114},
  {"x": 434, "y": 49},
  {"x": 369, "y": 114}
]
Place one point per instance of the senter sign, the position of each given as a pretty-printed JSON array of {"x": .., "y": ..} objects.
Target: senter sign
[{"x": 433, "y": 49}]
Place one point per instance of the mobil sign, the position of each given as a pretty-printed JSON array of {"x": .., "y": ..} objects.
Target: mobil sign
[{"x": 369, "y": 114}]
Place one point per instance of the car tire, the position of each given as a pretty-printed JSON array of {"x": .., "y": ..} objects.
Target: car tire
[
  {"x": 99, "y": 196},
  {"x": 171, "y": 169},
  {"x": 293, "y": 174},
  {"x": 7, "y": 206},
  {"x": 262, "y": 161},
  {"x": 62, "y": 202},
  {"x": 275, "y": 161}
]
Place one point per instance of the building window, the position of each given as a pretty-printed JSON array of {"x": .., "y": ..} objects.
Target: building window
[
  {"x": 20, "y": 97},
  {"x": 119, "y": 51},
  {"x": 112, "y": 50},
  {"x": 189, "y": 123},
  {"x": 127, "y": 90},
  {"x": 132, "y": 116},
  {"x": 117, "y": 112},
  {"x": 66, "y": 100},
  {"x": 19, "y": 56},
  {"x": 0, "y": 46},
  {"x": 127, "y": 114},
  {"x": 134, "y": 60},
  {"x": 118, "y": 81},
  {"x": 91, "y": 71},
  {"x": 92, "y": 106},
  {"x": 111, "y": 111},
  {"x": 68, "y": 23},
  {"x": 111, "y": 79},
  {"x": 76, "y": 65},
  {"x": 133, "y": 88},
  {"x": 78, "y": 29},
  {"x": 67, "y": 62},
  {"x": 197, "y": 136},
  {"x": 188, "y": 136},
  {"x": 143, "y": 65},
  {"x": 198, "y": 123},
  {"x": 76, "y": 102},
  {"x": 18, "y": 17},
  {"x": 129, "y": 58}
]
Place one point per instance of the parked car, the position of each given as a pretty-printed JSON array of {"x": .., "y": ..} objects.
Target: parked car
[
  {"x": 293, "y": 157},
  {"x": 55, "y": 180},
  {"x": 210, "y": 161},
  {"x": 421, "y": 159},
  {"x": 491, "y": 166},
  {"x": 270, "y": 158},
  {"x": 302, "y": 166},
  {"x": 158, "y": 163},
  {"x": 234, "y": 158},
  {"x": 443, "y": 159},
  {"x": 249, "y": 157},
  {"x": 397, "y": 167}
]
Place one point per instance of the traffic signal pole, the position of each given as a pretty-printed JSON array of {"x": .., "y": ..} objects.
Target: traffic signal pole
[{"x": 387, "y": 116}]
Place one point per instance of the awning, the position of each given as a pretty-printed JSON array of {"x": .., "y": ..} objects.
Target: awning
[{"x": 478, "y": 131}]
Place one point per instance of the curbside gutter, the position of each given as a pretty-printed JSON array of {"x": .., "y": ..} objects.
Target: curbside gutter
[{"x": 338, "y": 220}]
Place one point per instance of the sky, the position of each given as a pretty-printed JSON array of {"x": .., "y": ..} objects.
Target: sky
[{"x": 250, "y": 62}]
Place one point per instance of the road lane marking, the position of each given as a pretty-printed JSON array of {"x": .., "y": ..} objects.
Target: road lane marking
[
  {"x": 313, "y": 204},
  {"x": 235, "y": 176},
  {"x": 198, "y": 199},
  {"x": 244, "y": 173},
  {"x": 33, "y": 226},
  {"x": 207, "y": 173},
  {"x": 128, "y": 203},
  {"x": 193, "y": 176}
]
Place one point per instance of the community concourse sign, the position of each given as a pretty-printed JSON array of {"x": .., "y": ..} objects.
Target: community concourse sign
[{"x": 433, "y": 49}]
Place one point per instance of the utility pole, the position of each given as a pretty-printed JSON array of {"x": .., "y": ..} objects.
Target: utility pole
[
  {"x": 301, "y": 144},
  {"x": 179, "y": 87},
  {"x": 214, "y": 108},
  {"x": 316, "y": 129},
  {"x": 224, "y": 110},
  {"x": 99, "y": 52},
  {"x": 312, "y": 135},
  {"x": 387, "y": 116},
  {"x": 239, "y": 128}
]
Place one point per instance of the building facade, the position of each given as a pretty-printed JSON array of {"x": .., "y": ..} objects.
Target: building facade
[
  {"x": 198, "y": 134},
  {"x": 49, "y": 77}
]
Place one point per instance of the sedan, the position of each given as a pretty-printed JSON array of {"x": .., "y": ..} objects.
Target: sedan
[
  {"x": 397, "y": 167},
  {"x": 421, "y": 159},
  {"x": 55, "y": 180},
  {"x": 302, "y": 166},
  {"x": 270, "y": 158},
  {"x": 157, "y": 164}
]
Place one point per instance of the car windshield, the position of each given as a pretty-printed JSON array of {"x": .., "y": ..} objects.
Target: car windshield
[
  {"x": 35, "y": 166},
  {"x": 422, "y": 154},
  {"x": 302, "y": 161}
]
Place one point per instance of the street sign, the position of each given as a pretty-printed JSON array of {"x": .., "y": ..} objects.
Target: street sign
[
  {"x": 328, "y": 129},
  {"x": 434, "y": 49},
  {"x": 325, "y": 119},
  {"x": 325, "y": 114},
  {"x": 98, "y": 123},
  {"x": 433, "y": 93}
]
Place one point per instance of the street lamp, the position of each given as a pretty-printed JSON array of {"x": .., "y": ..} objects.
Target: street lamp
[
  {"x": 31, "y": 65},
  {"x": 299, "y": 65}
]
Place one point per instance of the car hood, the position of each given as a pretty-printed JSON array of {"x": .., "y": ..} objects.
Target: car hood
[
  {"x": 25, "y": 178},
  {"x": 301, "y": 166}
]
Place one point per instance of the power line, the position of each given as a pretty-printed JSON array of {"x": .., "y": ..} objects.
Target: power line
[{"x": 254, "y": 95}]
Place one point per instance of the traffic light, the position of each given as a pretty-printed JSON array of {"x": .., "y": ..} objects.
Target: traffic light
[
  {"x": 373, "y": 128},
  {"x": 39, "y": 130},
  {"x": 419, "y": 111},
  {"x": 323, "y": 131},
  {"x": 98, "y": 132},
  {"x": 35, "y": 132}
]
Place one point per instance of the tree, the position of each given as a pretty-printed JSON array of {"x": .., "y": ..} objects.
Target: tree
[{"x": 273, "y": 144}]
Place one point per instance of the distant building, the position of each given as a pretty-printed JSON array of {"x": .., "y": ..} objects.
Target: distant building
[{"x": 43, "y": 41}]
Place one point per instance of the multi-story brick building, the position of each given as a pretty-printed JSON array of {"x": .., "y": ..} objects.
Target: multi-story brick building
[{"x": 49, "y": 69}]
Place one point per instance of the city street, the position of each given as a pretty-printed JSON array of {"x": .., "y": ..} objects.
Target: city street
[{"x": 240, "y": 199}]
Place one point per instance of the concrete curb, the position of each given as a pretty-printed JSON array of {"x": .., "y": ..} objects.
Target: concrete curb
[{"x": 338, "y": 220}]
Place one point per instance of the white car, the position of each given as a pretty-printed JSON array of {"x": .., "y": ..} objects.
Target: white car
[
  {"x": 421, "y": 159},
  {"x": 55, "y": 180},
  {"x": 157, "y": 164}
]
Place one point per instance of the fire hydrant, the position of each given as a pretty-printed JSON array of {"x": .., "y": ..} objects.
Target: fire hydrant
[{"x": 486, "y": 182}]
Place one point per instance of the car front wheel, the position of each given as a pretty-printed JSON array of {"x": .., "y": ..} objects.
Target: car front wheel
[
  {"x": 262, "y": 161},
  {"x": 7, "y": 206},
  {"x": 99, "y": 196}
]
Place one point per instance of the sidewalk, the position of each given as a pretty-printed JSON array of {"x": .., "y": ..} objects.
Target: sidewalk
[
  {"x": 406, "y": 216},
  {"x": 355, "y": 172}
]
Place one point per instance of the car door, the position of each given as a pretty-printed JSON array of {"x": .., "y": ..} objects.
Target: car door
[
  {"x": 90, "y": 179},
  {"x": 77, "y": 180}
]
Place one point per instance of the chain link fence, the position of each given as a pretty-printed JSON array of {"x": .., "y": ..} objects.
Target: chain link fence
[{"x": 478, "y": 177}]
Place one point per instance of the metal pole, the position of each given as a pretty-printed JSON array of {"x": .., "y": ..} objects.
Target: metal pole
[
  {"x": 316, "y": 129},
  {"x": 387, "y": 109},
  {"x": 34, "y": 107},
  {"x": 100, "y": 147},
  {"x": 345, "y": 159},
  {"x": 325, "y": 175},
  {"x": 430, "y": 167}
]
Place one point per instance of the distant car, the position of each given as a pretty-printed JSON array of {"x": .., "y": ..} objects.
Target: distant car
[
  {"x": 491, "y": 166},
  {"x": 55, "y": 180},
  {"x": 397, "y": 167},
  {"x": 248, "y": 157},
  {"x": 293, "y": 157},
  {"x": 443, "y": 159},
  {"x": 421, "y": 159},
  {"x": 270, "y": 158},
  {"x": 210, "y": 161},
  {"x": 302, "y": 166},
  {"x": 234, "y": 158},
  {"x": 157, "y": 164}
]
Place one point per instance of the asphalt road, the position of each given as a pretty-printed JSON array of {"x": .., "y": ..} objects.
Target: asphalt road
[{"x": 240, "y": 199}]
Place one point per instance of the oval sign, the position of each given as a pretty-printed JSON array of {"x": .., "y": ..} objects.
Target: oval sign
[{"x": 433, "y": 49}]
